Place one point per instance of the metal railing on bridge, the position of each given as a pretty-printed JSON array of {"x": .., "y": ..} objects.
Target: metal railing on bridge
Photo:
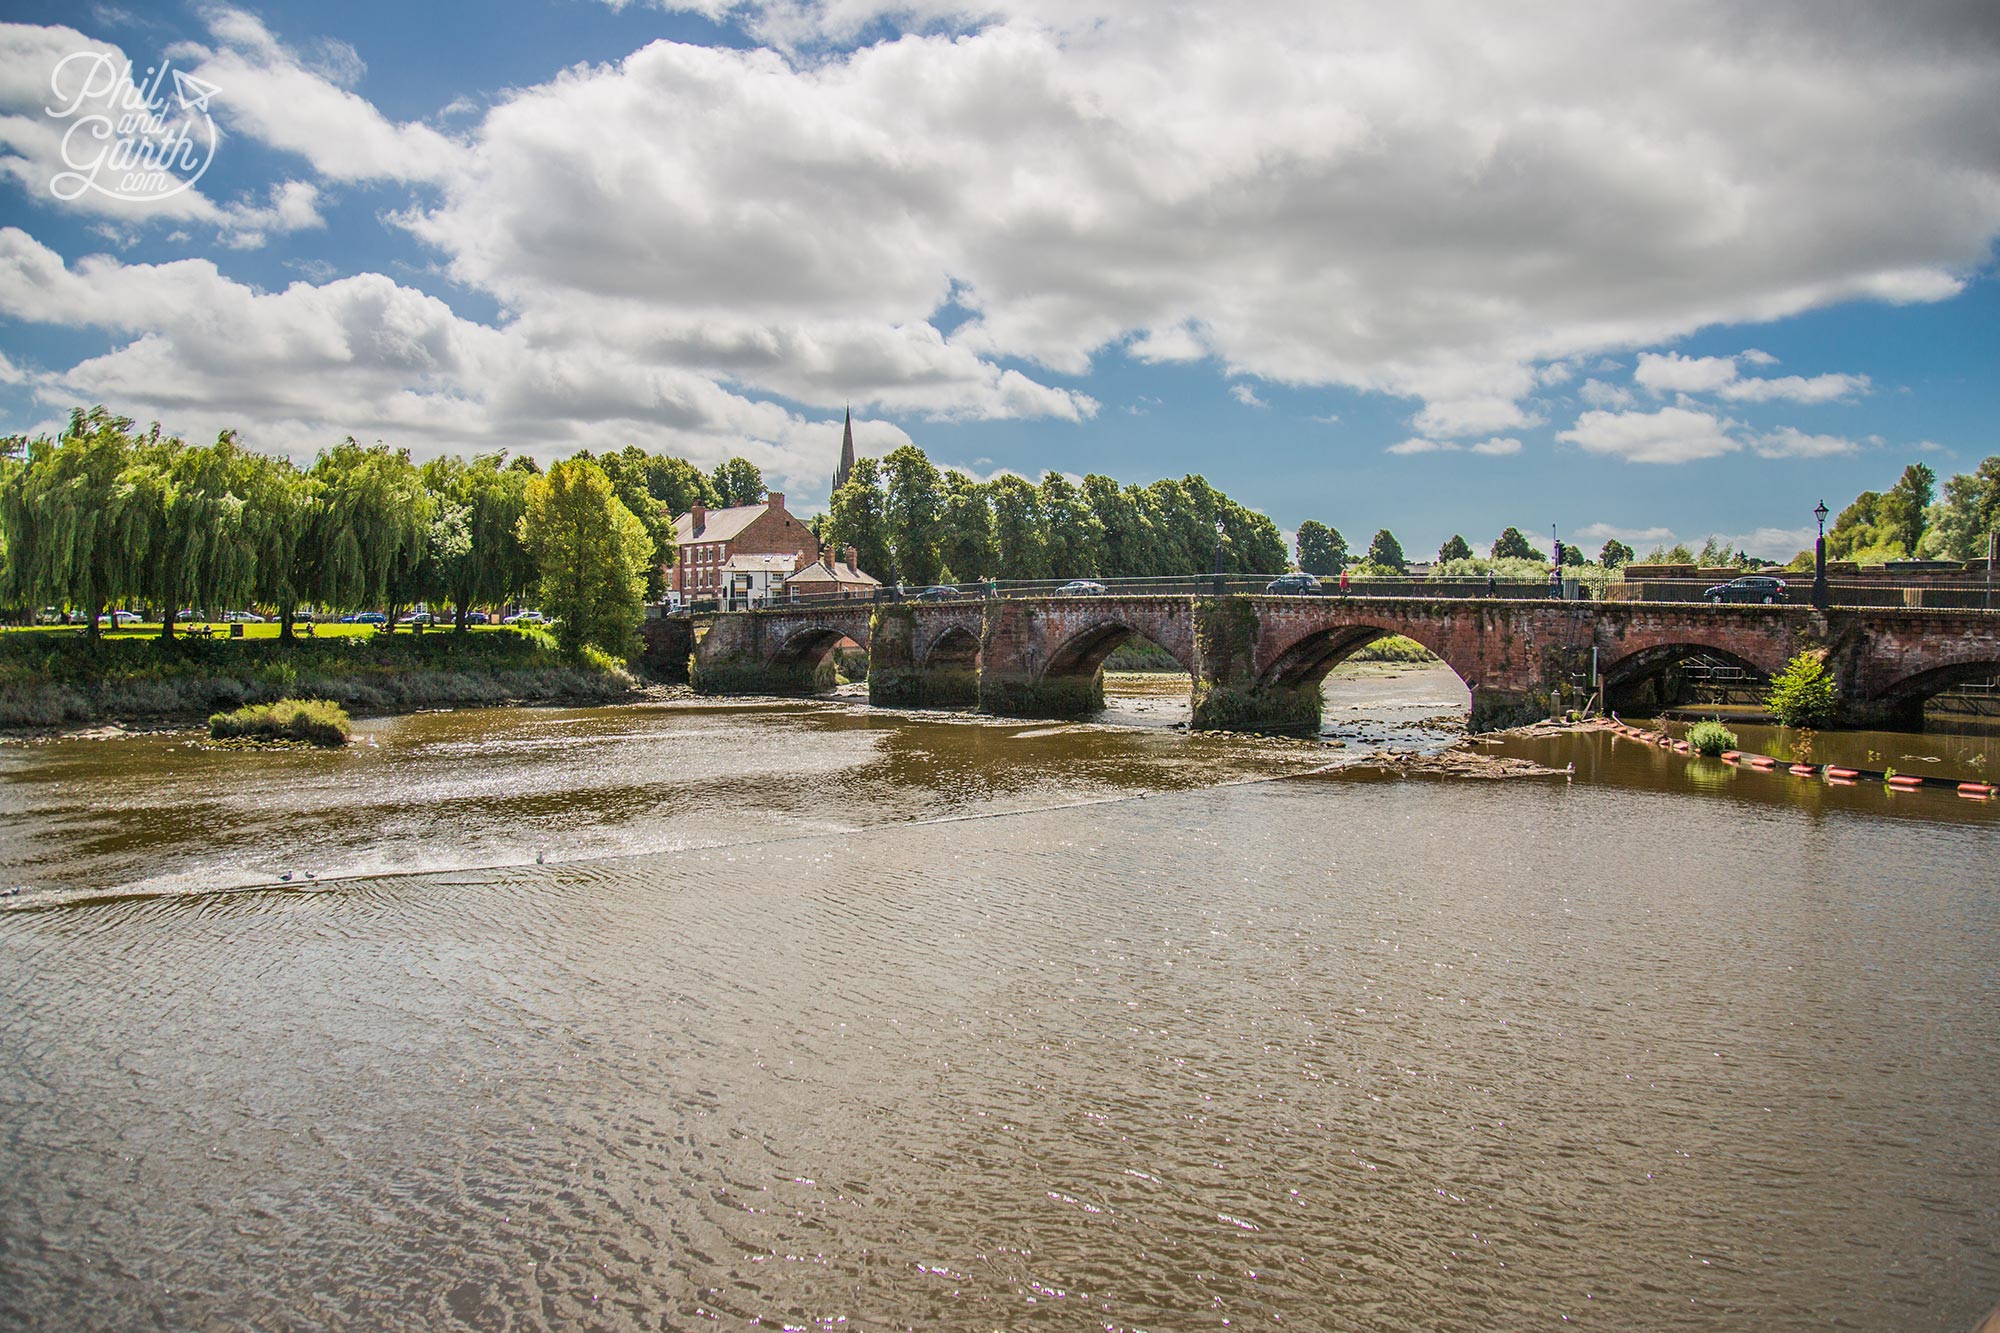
[{"x": 1844, "y": 594}]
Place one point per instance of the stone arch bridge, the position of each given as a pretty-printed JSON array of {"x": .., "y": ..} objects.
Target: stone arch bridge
[{"x": 1257, "y": 662}]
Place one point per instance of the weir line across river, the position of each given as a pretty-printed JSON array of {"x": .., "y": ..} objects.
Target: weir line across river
[{"x": 1257, "y": 662}]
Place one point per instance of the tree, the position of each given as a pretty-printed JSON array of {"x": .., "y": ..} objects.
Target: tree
[
  {"x": 1900, "y": 517},
  {"x": 78, "y": 530},
  {"x": 854, "y": 518},
  {"x": 1956, "y": 527},
  {"x": 1802, "y": 695},
  {"x": 491, "y": 565},
  {"x": 370, "y": 526},
  {"x": 1251, "y": 542},
  {"x": 737, "y": 482},
  {"x": 1854, "y": 527},
  {"x": 1455, "y": 549},
  {"x": 912, "y": 506},
  {"x": 965, "y": 533},
  {"x": 1322, "y": 550},
  {"x": 632, "y": 472},
  {"x": 591, "y": 555},
  {"x": 1615, "y": 554},
  {"x": 1511, "y": 545},
  {"x": 1073, "y": 539},
  {"x": 1126, "y": 536},
  {"x": 210, "y": 531},
  {"x": 1386, "y": 553},
  {"x": 1017, "y": 528}
]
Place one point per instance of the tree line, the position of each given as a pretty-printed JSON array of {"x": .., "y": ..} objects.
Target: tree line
[
  {"x": 104, "y": 514},
  {"x": 912, "y": 523}
]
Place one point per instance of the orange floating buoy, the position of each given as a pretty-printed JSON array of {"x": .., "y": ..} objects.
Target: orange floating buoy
[
  {"x": 1906, "y": 781},
  {"x": 1804, "y": 770},
  {"x": 1731, "y": 756},
  {"x": 1683, "y": 747},
  {"x": 1847, "y": 773},
  {"x": 1762, "y": 761},
  {"x": 1976, "y": 789}
]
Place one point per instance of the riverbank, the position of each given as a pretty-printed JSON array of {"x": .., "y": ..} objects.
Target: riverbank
[{"x": 49, "y": 683}]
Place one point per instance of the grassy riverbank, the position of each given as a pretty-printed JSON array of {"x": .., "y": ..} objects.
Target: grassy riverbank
[{"x": 61, "y": 679}]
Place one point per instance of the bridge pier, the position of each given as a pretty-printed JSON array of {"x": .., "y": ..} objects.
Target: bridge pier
[
  {"x": 734, "y": 659},
  {"x": 905, "y": 672},
  {"x": 1014, "y": 678}
]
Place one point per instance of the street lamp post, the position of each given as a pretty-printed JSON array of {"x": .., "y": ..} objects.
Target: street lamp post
[
  {"x": 1557, "y": 577},
  {"x": 1218, "y": 557},
  {"x": 1819, "y": 596}
]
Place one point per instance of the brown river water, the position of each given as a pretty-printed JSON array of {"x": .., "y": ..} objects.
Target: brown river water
[{"x": 813, "y": 1017}]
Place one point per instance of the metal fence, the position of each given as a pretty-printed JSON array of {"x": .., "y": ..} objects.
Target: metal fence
[{"x": 1842, "y": 593}]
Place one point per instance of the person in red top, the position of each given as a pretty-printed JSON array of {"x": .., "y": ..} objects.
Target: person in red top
[{"x": 1343, "y": 583}]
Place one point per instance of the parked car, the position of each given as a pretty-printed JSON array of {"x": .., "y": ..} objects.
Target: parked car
[
  {"x": 242, "y": 618},
  {"x": 937, "y": 593},
  {"x": 1297, "y": 584},
  {"x": 417, "y": 618},
  {"x": 126, "y": 618},
  {"x": 364, "y": 618},
  {"x": 1080, "y": 588},
  {"x": 1750, "y": 588},
  {"x": 475, "y": 618},
  {"x": 525, "y": 618}
]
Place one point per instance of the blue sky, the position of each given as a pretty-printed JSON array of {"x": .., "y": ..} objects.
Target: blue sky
[{"x": 1650, "y": 274}]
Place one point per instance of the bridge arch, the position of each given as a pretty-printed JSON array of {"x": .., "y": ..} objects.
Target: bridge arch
[
  {"x": 1905, "y": 698},
  {"x": 1307, "y": 660},
  {"x": 1084, "y": 652}
]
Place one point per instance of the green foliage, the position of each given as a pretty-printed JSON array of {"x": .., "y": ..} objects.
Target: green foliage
[
  {"x": 1393, "y": 648},
  {"x": 737, "y": 482},
  {"x": 1455, "y": 549},
  {"x": 1019, "y": 536},
  {"x": 912, "y": 509},
  {"x": 1710, "y": 738},
  {"x": 1073, "y": 537},
  {"x": 317, "y": 721},
  {"x": 1615, "y": 555},
  {"x": 1511, "y": 545},
  {"x": 1802, "y": 695},
  {"x": 369, "y": 526},
  {"x": 1385, "y": 552},
  {"x": 965, "y": 532},
  {"x": 1322, "y": 550},
  {"x": 1956, "y": 526},
  {"x": 1677, "y": 554},
  {"x": 592, "y": 554},
  {"x": 855, "y": 518}
]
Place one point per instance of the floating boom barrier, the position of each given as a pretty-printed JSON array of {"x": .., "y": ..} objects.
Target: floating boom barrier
[{"x": 1834, "y": 774}]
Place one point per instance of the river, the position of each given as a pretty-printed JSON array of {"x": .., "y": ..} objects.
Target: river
[{"x": 801, "y": 1015}]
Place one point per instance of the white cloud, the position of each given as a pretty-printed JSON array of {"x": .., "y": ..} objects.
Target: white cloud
[
  {"x": 1597, "y": 393},
  {"x": 303, "y": 106},
  {"x": 1674, "y": 373},
  {"x": 1788, "y": 442},
  {"x": 1771, "y": 543},
  {"x": 1796, "y": 389},
  {"x": 1756, "y": 357},
  {"x": 1246, "y": 395},
  {"x": 1670, "y": 435},
  {"x": 1493, "y": 448},
  {"x": 1603, "y": 532},
  {"x": 1447, "y": 204}
]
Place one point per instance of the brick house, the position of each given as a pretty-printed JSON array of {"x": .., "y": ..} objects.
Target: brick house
[
  {"x": 707, "y": 539},
  {"x": 831, "y": 577}
]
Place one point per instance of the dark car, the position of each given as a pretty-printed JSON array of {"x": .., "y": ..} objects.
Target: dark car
[
  {"x": 938, "y": 593},
  {"x": 1297, "y": 584},
  {"x": 1750, "y": 588},
  {"x": 1080, "y": 588}
]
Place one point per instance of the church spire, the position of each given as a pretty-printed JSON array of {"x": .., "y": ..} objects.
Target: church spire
[{"x": 841, "y": 473}]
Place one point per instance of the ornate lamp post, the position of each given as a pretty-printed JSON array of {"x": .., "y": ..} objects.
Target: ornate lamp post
[
  {"x": 1218, "y": 557},
  {"x": 1819, "y": 596}
]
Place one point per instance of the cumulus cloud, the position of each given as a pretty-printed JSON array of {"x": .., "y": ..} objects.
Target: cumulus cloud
[
  {"x": 1596, "y": 393},
  {"x": 1603, "y": 532},
  {"x": 1718, "y": 375},
  {"x": 299, "y": 368},
  {"x": 1246, "y": 395},
  {"x": 1788, "y": 442},
  {"x": 1670, "y": 435},
  {"x": 1498, "y": 447},
  {"x": 1444, "y": 204}
]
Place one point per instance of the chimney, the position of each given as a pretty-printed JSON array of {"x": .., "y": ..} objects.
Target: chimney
[
  {"x": 776, "y": 500},
  {"x": 853, "y": 558},
  {"x": 700, "y": 517}
]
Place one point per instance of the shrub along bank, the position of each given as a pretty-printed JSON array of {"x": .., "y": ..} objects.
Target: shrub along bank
[{"x": 49, "y": 680}]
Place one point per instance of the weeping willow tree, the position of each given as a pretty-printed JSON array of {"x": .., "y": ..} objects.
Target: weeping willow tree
[
  {"x": 484, "y": 500},
  {"x": 369, "y": 523},
  {"x": 79, "y": 517},
  {"x": 203, "y": 549}
]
